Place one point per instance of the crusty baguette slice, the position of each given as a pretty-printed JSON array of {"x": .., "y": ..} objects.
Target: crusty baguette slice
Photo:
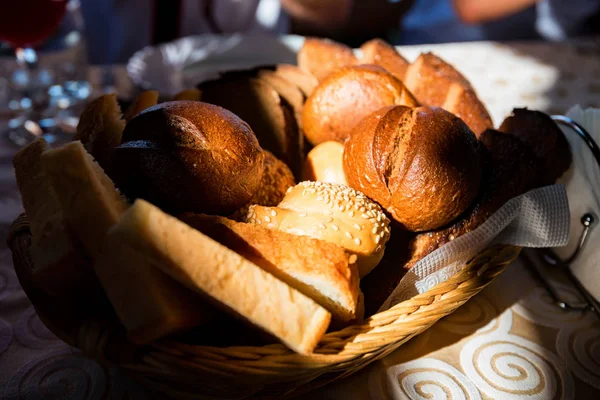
[
  {"x": 59, "y": 263},
  {"x": 100, "y": 127},
  {"x": 320, "y": 57},
  {"x": 323, "y": 271},
  {"x": 378, "y": 52},
  {"x": 149, "y": 303},
  {"x": 238, "y": 285},
  {"x": 434, "y": 82},
  {"x": 89, "y": 201}
]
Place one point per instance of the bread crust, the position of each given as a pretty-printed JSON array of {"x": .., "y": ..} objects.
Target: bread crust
[
  {"x": 321, "y": 57},
  {"x": 189, "y": 156},
  {"x": 434, "y": 82},
  {"x": 379, "y": 52},
  {"x": 422, "y": 165},
  {"x": 347, "y": 96}
]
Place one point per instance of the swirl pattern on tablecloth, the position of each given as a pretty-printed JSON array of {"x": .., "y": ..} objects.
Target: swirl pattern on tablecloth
[
  {"x": 539, "y": 308},
  {"x": 33, "y": 334},
  {"x": 506, "y": 366},
  {"x": 579, "y": 347},
  {"x": 429, "y": 378},
  {"x": 474, "y": 315},
  {"x": 59, "y": 375},
  {"x": 6, "y": 336}
]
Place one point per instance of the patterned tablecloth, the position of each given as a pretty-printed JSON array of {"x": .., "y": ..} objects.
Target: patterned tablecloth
[{"x": 508, "y": 342}]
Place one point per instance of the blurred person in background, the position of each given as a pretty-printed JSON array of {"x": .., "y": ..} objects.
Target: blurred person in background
[
  {"x": 115, "y": 29},
  {"x": 439, "y": 21}
]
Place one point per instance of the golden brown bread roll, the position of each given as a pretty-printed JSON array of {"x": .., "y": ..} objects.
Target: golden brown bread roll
[
  {"x": 423, "y": 165},
  {"x": 511, "y": 169},
  {"x": 322, "y": 271},
  {"x": 324, "y": 163},
  {"x": 189, "y": 156},
  {"x": 379, "y": 52},
  {"x": 348, "y": 95},
  {"x": 276, "y": 180},
  {"x": 544, "y": 137},
  {"x": 331, "y": 212},
  {"x": 100, "y": 127},
  {"x": 305, "y": 81},
  {"x": 434, "y": 82},
  {"x": 268, "y": 113},
  {"x": 320, "y": 57}
]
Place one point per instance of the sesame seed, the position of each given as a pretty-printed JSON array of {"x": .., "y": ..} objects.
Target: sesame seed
[
  {"x": 374, "y": 230},
  {"x": 357, "y": 241},
  {"x": 335, "y": 227},
  {"x": 378, "y": 249},
  {"x": 320, "y": 198},
  {"x": 322, "y": 225},
  {"x": 258, "y": 222},
  {"x": 289, "y": 189},
  {"x": 351, "y": 213},
  {"x": 382, "y": 234},
  {"x": 267, "y": 218},
  {"x": 357, "y": 226},
  {"x": 352, "y": 259},
  {"x": 330, "y": 219},
  {"x": 349, "y": 235},
  {"x": 377, "y": 239},
  {"x": 365, "y": 216},
  {"x": 273, "y": 213},
  {"x": 363, "y": 209}
]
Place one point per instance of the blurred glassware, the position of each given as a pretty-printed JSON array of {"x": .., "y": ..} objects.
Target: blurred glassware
[{"x": 43, "y": 96}]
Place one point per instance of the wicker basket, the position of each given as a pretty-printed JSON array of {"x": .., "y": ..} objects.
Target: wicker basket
[{"x": 185, "y": 371}]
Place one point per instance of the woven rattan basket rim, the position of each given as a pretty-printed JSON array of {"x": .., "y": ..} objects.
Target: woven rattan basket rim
[{"x": 346, "y": 346}]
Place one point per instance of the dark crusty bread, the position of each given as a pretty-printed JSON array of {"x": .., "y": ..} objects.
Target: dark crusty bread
[
  {"x": 434, "y": 82},
  {"x": 276, "y": 180},
  {"x": 320, "y": 57},
  {"x": 189, "y": 156},
  {"x": 100, "y": 127},
  {"x": 544, "y": 137},
  {"x": 423, "y": 165},
  {"x": 379, "y": 52},
  {"x": 320, "y": 270},
  {"x": 259, "y": 104},
  {"x": 511, "y": 169},
  {"x": 348, "y": 95}
]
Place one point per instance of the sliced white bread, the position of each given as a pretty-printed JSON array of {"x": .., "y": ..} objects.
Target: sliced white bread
[{"x": 231, "y": 281}]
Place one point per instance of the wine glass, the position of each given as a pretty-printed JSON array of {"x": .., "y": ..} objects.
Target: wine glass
[{"x": 25, "y": 24}]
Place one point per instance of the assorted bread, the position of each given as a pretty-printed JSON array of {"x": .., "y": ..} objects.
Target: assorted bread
[{"x": 186, "y": 215}]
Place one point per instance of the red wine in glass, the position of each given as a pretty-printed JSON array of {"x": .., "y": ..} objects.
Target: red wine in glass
[{"x": 27, "y": 23}]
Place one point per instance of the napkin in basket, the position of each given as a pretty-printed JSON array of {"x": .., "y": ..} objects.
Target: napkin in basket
[{"x": 583, "y": 189}]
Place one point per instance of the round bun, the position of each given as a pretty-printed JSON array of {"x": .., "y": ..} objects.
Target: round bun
[
  {"x": 333, "y": 213},
  {"x": 348, "y": 95},
  {"x": 423, "y": 165},
  {"x": 320, "y": 57},
  {"x": 324, "y": 163},
  {"x": 189, "y": 156},
  {"x": 277, "y": 178}
]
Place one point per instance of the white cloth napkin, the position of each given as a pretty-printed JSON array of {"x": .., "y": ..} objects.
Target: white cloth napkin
[{"x": 582, "y": 182}]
